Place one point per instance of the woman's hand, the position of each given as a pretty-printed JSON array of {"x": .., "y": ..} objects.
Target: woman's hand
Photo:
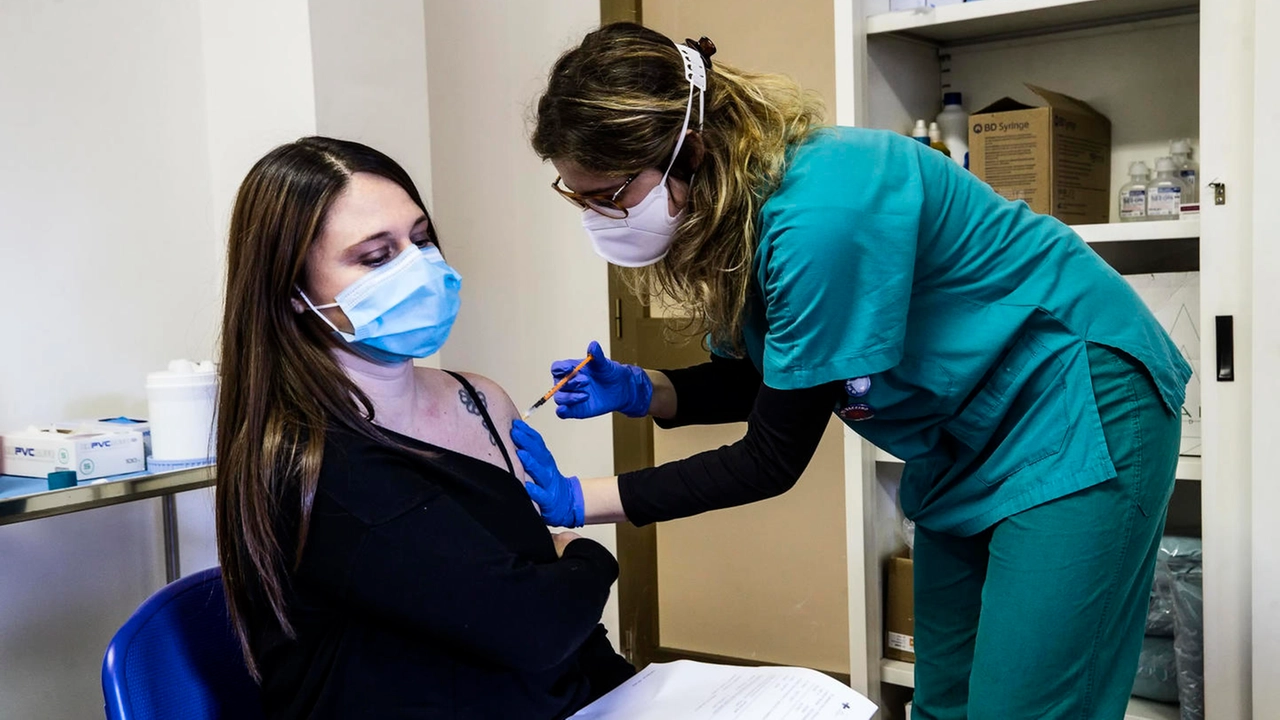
[
  {"x": 602, "y": 386},
  {"x": 562, "y": 540},
  {"x": 558, "y": 498}
]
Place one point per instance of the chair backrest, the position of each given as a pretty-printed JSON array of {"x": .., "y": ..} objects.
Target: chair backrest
[{"x": 177, "y": 657}]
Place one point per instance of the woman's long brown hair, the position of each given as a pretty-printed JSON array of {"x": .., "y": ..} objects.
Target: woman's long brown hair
[
  {"x": 614, "y": 105},
  {"x": 280, "y": 387}
]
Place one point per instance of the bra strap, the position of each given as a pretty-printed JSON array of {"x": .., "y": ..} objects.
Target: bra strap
[{"x": 488, "y": 421}]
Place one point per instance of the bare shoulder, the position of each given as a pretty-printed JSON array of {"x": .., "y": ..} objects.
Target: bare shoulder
[
  {"x": 501, "y": 410},
  {"x": 496, "y": 399},
  {"x": 463, "y": 417}
]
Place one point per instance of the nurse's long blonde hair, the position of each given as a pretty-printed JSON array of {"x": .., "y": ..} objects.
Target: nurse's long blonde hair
[{"x": 614, "y": 106}]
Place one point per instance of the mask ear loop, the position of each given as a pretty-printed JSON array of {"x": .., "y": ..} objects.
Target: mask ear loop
[
  {"x": 695, "y": 71},
  {"x": 317, "y": 308}
]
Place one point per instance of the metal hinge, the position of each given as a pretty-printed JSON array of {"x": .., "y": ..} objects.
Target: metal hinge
[
  {"x": 617, "y": 318},
  {"x": 1219, "y": 192},
  {"x": 629, "y": 645}
]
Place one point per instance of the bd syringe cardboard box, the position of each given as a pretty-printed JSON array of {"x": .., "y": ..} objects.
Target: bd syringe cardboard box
[
  {"x": 36, "y": 452},
  {"x": 1057, "y": 158}
]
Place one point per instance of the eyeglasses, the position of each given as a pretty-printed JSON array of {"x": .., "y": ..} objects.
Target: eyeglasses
[{"x": 605, "y": 204}]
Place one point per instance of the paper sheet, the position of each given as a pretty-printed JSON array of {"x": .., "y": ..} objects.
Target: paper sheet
[
  {"x": 1174, "y": 298},
  {"x": 698, "y": 691}
]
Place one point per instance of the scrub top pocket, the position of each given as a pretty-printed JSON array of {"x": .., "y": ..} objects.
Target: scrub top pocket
[{"x": 1019, "y": 417}]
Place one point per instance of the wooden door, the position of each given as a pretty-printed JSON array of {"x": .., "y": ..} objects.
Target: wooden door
[{"x": 760, "y": 584}]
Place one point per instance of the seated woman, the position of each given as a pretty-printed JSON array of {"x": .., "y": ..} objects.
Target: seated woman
[{"x": 380, "y": 556}]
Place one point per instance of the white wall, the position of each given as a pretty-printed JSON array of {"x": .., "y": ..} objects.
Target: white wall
[
  {"x": 370, "y": 62},
  {"x": 104, "y": 210},
  {"x": 532, "y": 290},
  {"x": 125, "y": 129}
]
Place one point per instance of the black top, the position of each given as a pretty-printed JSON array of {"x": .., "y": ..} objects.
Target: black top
[
  {"x": 429, "y": 587},
  {"x": 784, "y": 428}
]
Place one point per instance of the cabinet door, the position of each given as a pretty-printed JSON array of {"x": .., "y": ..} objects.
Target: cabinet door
[{"x": 1226, "y": 135}]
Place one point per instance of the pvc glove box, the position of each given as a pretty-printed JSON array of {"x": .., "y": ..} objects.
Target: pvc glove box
[
  {"x": 36, "y": 452},
  {"x": 111, "y": 425}
]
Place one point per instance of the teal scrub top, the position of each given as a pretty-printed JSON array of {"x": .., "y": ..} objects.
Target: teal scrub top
[{"x": 956, "y": 319}]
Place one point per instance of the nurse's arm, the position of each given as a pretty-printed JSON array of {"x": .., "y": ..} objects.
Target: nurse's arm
[
  {"x": 720, "y": 391},
  {"x": 662, "y": 406},
  {"x": 601, "y": 501},
  {"x": 783, "y": 433}
]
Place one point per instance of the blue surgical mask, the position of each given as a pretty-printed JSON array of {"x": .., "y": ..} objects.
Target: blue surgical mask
[{"x": 404, "y": 309}]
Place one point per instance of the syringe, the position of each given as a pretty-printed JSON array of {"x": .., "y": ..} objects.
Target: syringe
[{"x": 557, "y": 387}]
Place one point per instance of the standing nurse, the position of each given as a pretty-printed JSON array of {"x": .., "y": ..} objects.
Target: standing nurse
[{"x": 1032, "y": 394}]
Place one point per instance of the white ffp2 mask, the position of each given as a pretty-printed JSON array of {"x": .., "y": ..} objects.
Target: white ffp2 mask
[{"x": 644, "y": 236}]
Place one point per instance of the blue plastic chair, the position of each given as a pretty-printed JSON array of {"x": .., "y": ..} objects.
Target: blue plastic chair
[{"x": 177, "y": 657}]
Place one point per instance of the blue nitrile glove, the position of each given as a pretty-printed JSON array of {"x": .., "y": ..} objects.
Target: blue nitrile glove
[
  {"x": 558, "y": 497},
  {"x": 603, "y": 386}
]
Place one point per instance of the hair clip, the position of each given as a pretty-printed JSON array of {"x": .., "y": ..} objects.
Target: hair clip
[{"x": 704, "y": 46}]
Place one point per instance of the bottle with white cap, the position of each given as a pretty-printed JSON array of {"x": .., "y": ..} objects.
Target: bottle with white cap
[
  {"x": 920, "y": 132},
  {"x": 1188, "y": 170},
  {"x": 1133, "y": 196},
  {"x": 935, "y": 140},
  {"x": 1164, "y": 195},
  {"x": 954, "y": 123}
]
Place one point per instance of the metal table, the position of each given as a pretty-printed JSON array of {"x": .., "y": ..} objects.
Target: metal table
[{"x": 23, "y": 499}]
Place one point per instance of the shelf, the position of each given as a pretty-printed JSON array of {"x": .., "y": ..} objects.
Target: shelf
[
  {"x": 1140, "y": 709},
  {"x": 23, "y": 499},
  {"x": 992, "y": 19},
  {"x": 896, "y": 672},
  {"x": 903, "y": 674},
  {"x": 1190, "y": 468},
  {"x": 1182, "y": 229},
  {"x": 885, "y": 457}
]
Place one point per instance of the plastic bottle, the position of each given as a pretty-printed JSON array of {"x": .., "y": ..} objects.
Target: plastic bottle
[
  {"x": 1164, "y": 195},
  {"x": 1133, "y": 195},
  {"x": 1188, "y": 171},
  {"x": 935, "y": 140},
  {"x": 920, "y": 132},
  {"x": 954, "y": 123}
]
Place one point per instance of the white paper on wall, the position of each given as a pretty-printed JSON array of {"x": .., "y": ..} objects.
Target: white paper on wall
[{"x": 1174, "y": 298}]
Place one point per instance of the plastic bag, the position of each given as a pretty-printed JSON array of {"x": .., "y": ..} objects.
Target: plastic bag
[
  {"x": 1160, "y": 608},
  {"x": 1188, "y": 638},
  {"x": 1157, "y": 670},
  {"x": 1179, "y": 566}
]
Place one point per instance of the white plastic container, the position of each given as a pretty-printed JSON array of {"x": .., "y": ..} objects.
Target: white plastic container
[
  {"x": 953, "y": 121},
  {"x": 1164, "y": 195},
  {"x": 1188, "y": 171},
  {"x": 920, "y": 132},
  {"x": 1133, "y": 196},
  {"x": 182, "y": 402}
]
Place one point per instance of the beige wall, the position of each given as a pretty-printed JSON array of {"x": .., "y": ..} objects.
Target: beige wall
[
  {"x": 795, "y": 38},
  {"x": 532, "y": 290},
  {"x": 766, "y": 582}
]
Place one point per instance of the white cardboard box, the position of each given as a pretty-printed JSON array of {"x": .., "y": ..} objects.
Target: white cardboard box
[
  {"x": 36, "y": 452},
  {"x": 1174, "y": 298},
  {"x": 111, "y": 425}
]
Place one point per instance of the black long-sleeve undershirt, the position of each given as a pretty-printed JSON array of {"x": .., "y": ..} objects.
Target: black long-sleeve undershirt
[{"x": 784, "y": 428}]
